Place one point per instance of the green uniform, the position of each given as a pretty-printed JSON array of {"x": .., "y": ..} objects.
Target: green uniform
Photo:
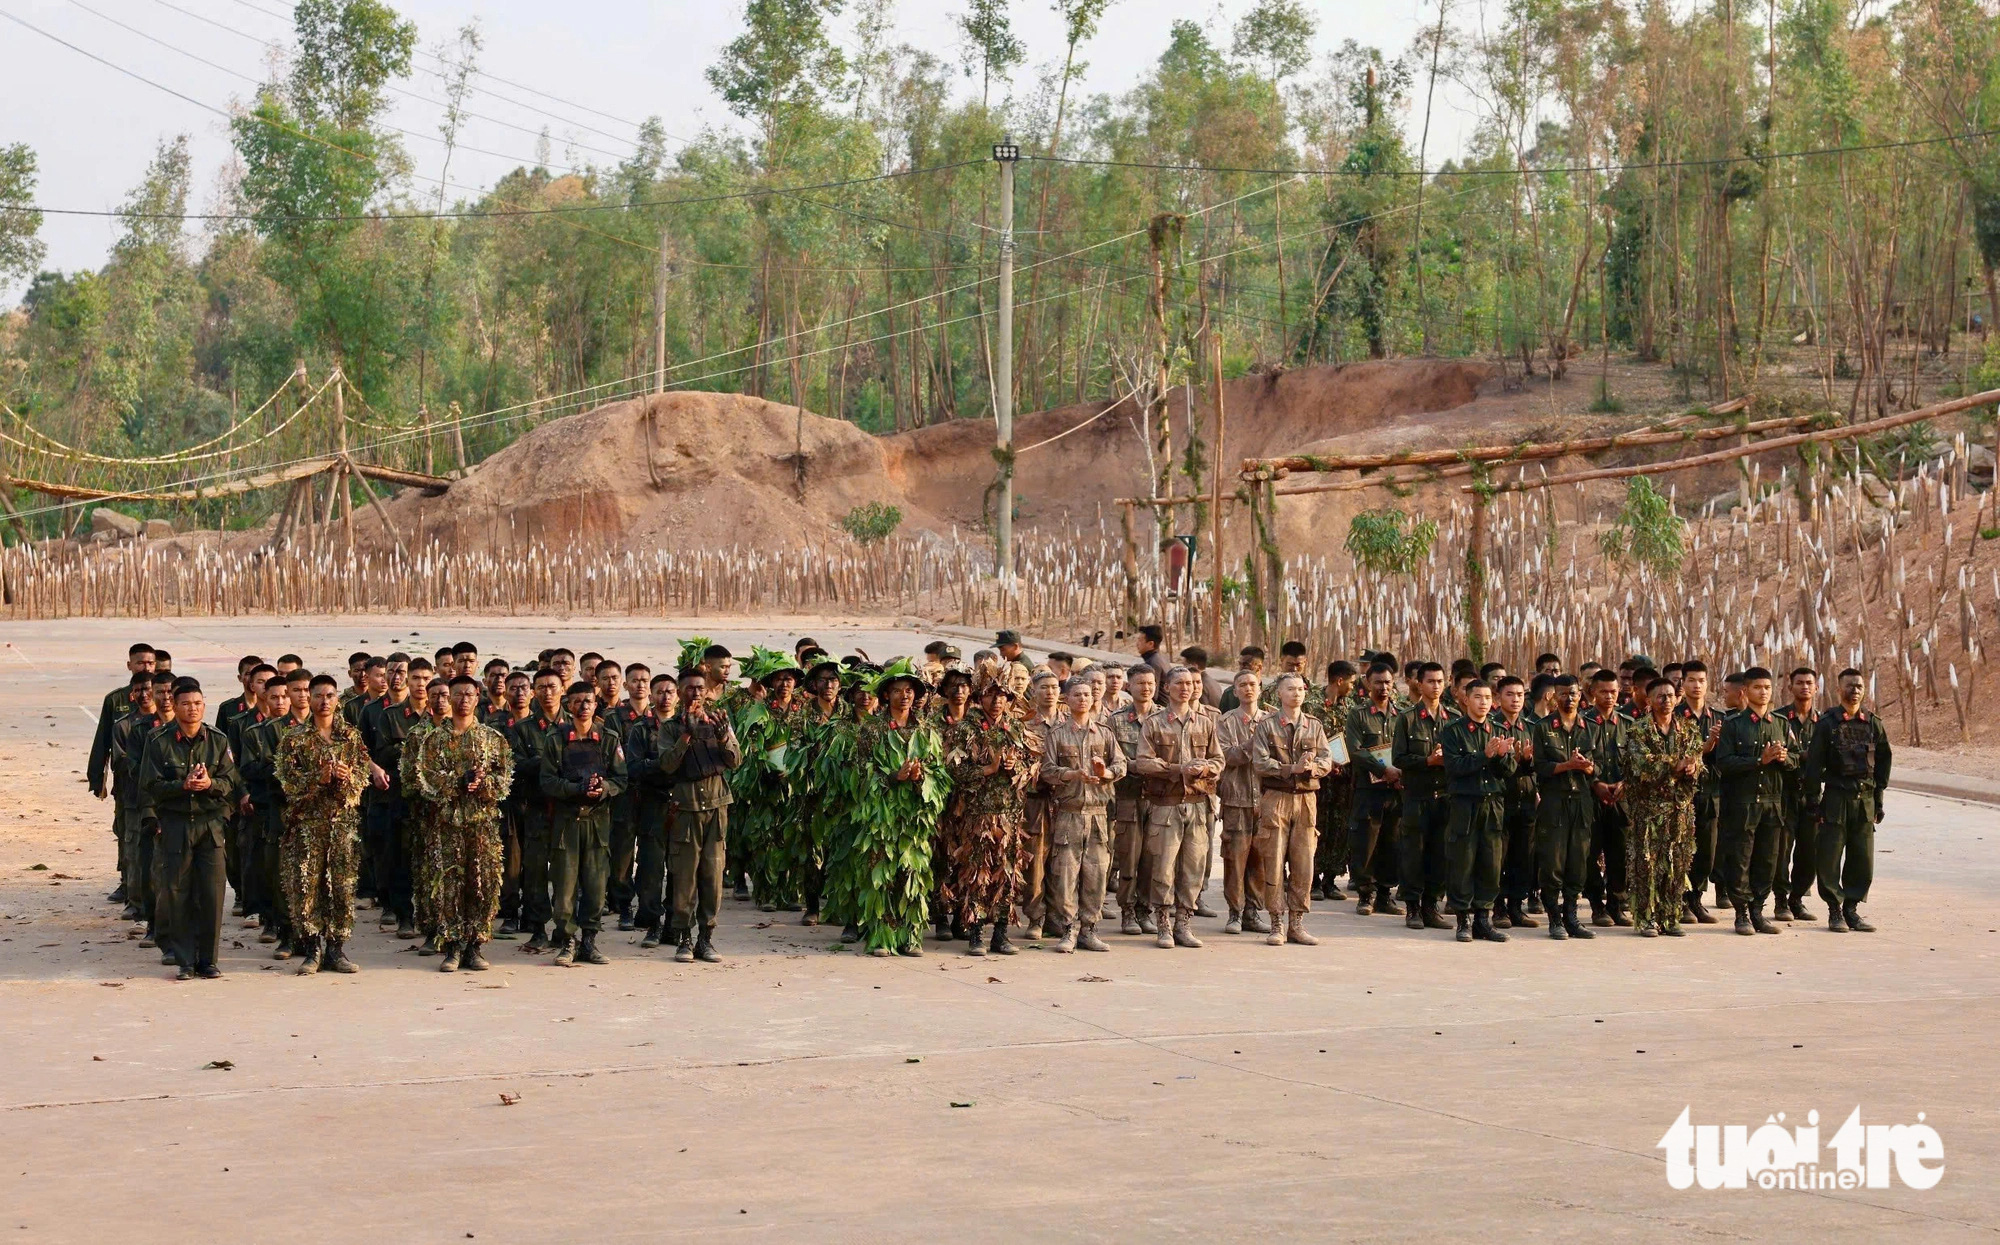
[
  {"x": 1335, "y": 796},
  {"x": 1660, "y": 803},
  {"x": 264, "y": 825},
  {"x": 1426, "y": 818},
  {"x": 117, "y": 704},
  {"x": 537, "y": 814},
  {"x": 1517, "y": 862},
  {"x": 698, "y": 756},
  {"x": 385, "y": 822},
  {"x": 1566, "y": 812},
  {"x": 1376, "y": 810},
  {"x": 1846, "y": 770},
  {"x": 419, "y": 827},
  {"x": 134, "y": 818},
  {"x": 651, "y": 793},
  {"x": 191, "y": 829},
  {"x": 318, "y": 854},
  {"x": 620, "y": 894},
  {"x": 1753, "y": 803},
  {"x": 1476, "y": 834},
  {"x": 1792, "y": 875},
  {"x": 580, "y": 831},
  {"x": 1607, "y": 882},
  {"x": 465, "y": 858},
  {"x": 1707, "y": 804}
]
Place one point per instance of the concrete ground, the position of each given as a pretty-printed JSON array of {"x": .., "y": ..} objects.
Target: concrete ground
[{"x": 1385, "y": 1085}]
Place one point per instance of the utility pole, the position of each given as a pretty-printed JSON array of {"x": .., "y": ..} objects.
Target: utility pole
[
  {"x": 1006, "y": 153},
  {"x": 660, "y": 317}
]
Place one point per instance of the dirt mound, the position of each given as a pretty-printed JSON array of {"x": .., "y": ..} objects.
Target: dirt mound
[
  {"x": 945, "y": 469},
  {"x": 712, "y": 470}
]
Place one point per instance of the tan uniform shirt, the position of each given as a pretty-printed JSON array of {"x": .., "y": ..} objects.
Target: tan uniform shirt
[
  {"x": 1071, "y": 748},
  {"x": 1167, "y": 742},
  {"x": 1234, "y": 731},
  {"x": 1279, "y": 745}
]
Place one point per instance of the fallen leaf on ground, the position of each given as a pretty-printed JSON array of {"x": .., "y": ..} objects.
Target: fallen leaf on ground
[
  {"x": 220, "y": 1065},
  {"x": 508, "y": 1100},
  {"x": 995, "y": 981},
  {"x": 1092, "y": 977}
]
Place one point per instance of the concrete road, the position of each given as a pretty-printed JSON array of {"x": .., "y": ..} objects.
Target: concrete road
[{"x": 1385, "y": 1085}]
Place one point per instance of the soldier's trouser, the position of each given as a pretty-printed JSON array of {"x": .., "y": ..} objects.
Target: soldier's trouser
[
  {"x": 1330, "y": 823},
  {"x": 1846, "y": 845},
  {"x": 1177, "y": 840},
  {"x": 1563, "y": 826},
  {"x": 235, "y": 848},
  {"x": 195, "y": 880},
  {"x": 163, "y": 898},
  {"x": 1129, "y": 846},
  {"x": 394, "y": 882},
  {"x": 579, "y": 858},
  {"x": 1749, "y": 851},
  {"x": 1372, "y": 830},
  {"x": 1079, "y": 855},
  {"x": 1781, "y": 851},
  {"x": 1475, "y": 837},
  {"x": 1035, "y": 857},
  {"x": 650, "y": 820},
  {"x": 510, "y": 861},
  {"x": 1707, "y": 815},
  {"x": 537, "y": 863},
  {"x": 1517, "y": 863},
  {"x": 138, "y": 856},
  {"x": 1805, "y": 851},
  {"x": 1287, "y": 837},
  {"x": 1244, "y": 869},
  {"x": 1422, "y": 839},
  {"x": 469, "y": 864},
  {"x": 699, "y": 855},
  {"x": 265, "y": 867},
  {"x": 118, "y": 837},
  {"x": 619, "y": 890},
  {"x": 1607, "y": 842},
  {"x": 319, "y": 866},
  {"x": 371, "y": 882}
]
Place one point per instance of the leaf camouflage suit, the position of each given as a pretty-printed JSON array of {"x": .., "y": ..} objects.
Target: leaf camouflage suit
[
  {"x": 983, "y": 865},
  {"x": 1659, "y": 805},
  {"x": 463, "y": 865},
  {"x": 878, "y": 866},
  {"x": 317, "y": 857},
  {"x": 762, "y": 788}
]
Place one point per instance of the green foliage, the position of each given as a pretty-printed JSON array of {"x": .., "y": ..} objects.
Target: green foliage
[
  {"x": 1389, "y": 542},
  {"x": 871, "y": 523},
  {"x": 1900, "y": 451},
  {"x": 878, "y": 868},
  {"x": 1278, "y": 35},
  {"x": 1646, "y": 532},
  {"x": 988, "y": 44},
  {"x": 20, "y": 249}
]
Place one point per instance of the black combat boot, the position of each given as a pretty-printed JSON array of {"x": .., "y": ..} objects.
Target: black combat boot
[
  {"x": 1000, "y": 944},
  {"x": 1744, "y": 925},
  {"x": 1571, "y": 925},
  {"x": 588, "y": 953},
  {"x": 1760, "y": 923},
  {"x": 1464, "y": 927},
  {"x": 704, "y": 949},
  {"x": 1852, "y": 915},
  {"x": 1431, "y": 918},
  {"x": 1482, "y": 928},
  {"x": 972, "y": 944},
  {"x": 1386, "y": 905},
  {"x": 1517, "y": 914}
]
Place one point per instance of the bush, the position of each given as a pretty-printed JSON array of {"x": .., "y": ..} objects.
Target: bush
[
  {"x": 1389, "y": 542},
  {"x": 1647, "y": 531},
  {"x": 872, "y": 523}
]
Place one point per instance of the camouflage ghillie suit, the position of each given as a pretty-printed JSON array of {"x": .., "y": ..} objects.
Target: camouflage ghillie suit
[
  {"x": 317, "y": 858},
  {"x": 762, "y": 790},
  {"x": 461, "y": 871},
  {"x": 982, "y": 863},
  {"x": 1659, "y": 803},
  {"x": 420, "y": 827}
]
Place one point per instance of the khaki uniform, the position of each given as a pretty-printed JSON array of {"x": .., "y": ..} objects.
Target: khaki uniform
[
  {"x": 1079, "y": 834},
  {"x": 1288, "y": 806},
  {"x": 1177, "y": 807},
  {"x": 1244, "y": 869}
]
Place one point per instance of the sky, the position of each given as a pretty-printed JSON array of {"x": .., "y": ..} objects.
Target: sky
[{"x": 610, "y": 63}]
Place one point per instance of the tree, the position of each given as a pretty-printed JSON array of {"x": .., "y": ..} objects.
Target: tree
[
  {"x": 1647, "y": 531},
  {"x": 1278, "y": 35},
  {"x": 20, "y": 250},
  {"x": 987, "y": 43},
  {"x": 314, "y": 161}
]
